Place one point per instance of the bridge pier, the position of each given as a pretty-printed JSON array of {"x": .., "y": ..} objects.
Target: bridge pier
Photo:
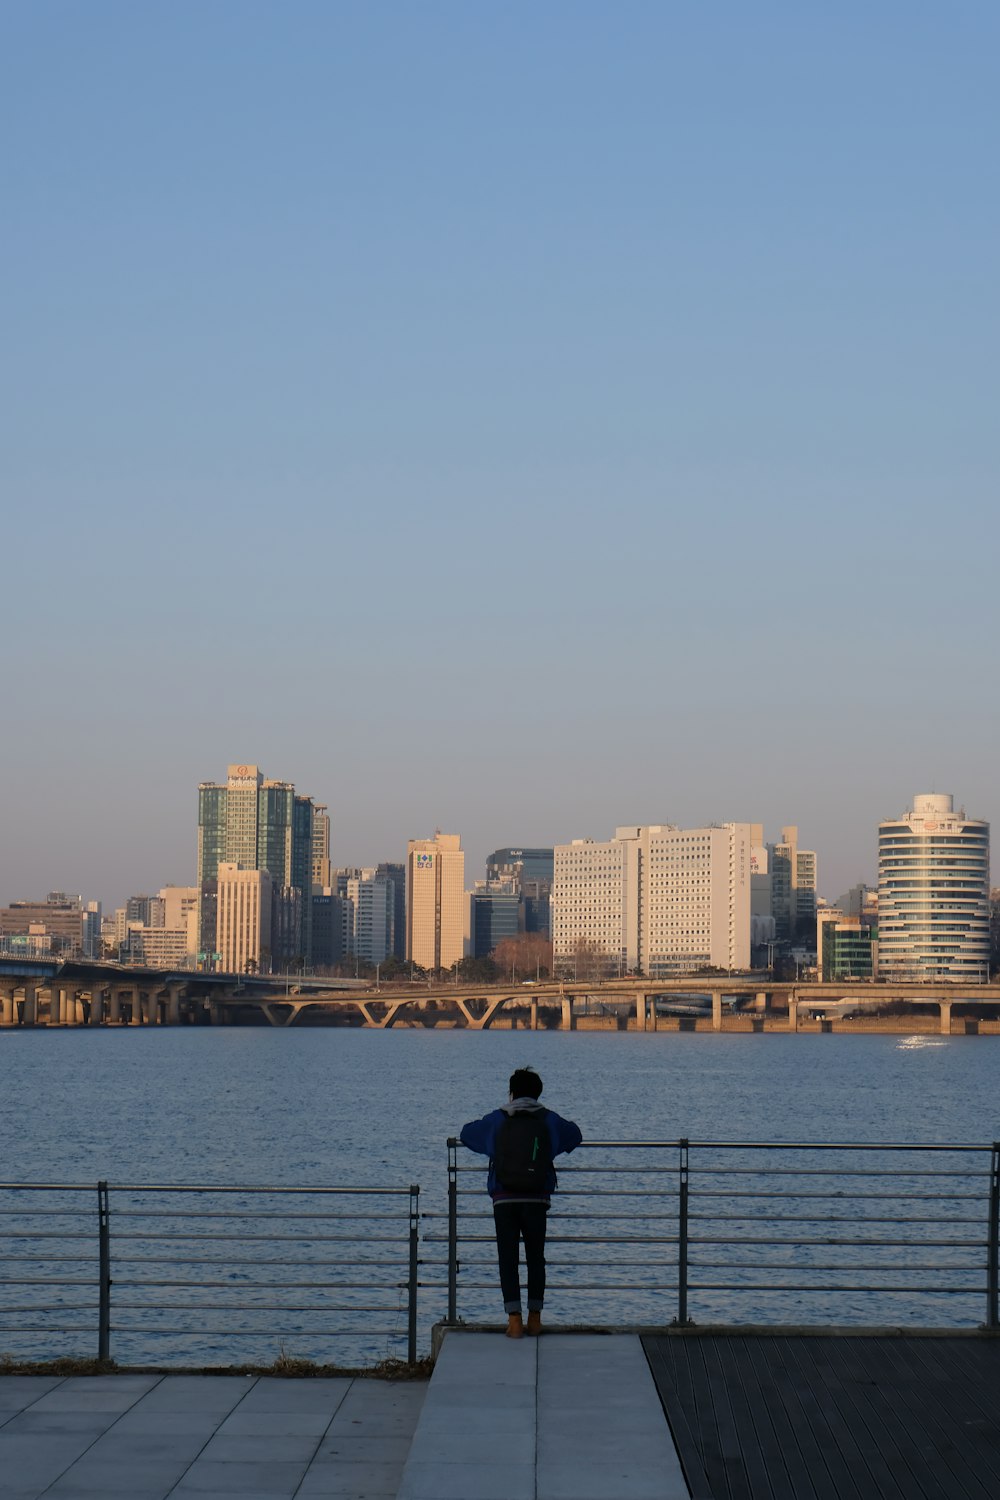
[
  {"x": 7, "y": 1005},
  {"x": 55, "y": 1005},
  {"x": 491, "y": 1009},
  {"x": 96, "y": 1017},
  {"x": 30, "y": 1004},
  {"x": 641, "y": 1003},
  {"x": 533, "y": 1015},
  {"x": 945, "y": 1008},
  {"x": 568, "y": 1018},
  {"x": 135, "y": 1018},
  {"x": 115, "y": 1006},
  {"x": 716, "y": 1010},
  {"x": 793, "y": 1013}
]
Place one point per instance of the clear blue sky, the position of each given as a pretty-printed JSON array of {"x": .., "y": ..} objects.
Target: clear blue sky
[{"x": 518, "y": 419}]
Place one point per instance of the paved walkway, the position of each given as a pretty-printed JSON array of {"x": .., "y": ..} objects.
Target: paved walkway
[
  {"x": 204, "y": 1437},
  {"x": 564, "y": 1417}
]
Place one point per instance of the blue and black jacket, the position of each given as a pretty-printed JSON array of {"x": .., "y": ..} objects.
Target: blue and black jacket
[{"x": 481, "y": 1135}]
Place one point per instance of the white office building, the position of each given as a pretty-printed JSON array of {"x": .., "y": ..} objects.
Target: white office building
[
  {"x": 934, "y": 894},
  {"x": 658, "y": 899},
  {"x": 367, "y": 915}
]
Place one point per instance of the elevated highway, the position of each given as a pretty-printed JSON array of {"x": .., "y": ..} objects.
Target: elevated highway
[{"x": 80, "y": 992}]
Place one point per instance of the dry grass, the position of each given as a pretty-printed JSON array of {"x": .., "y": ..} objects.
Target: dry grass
[
  {"x": 60, "y": 1367},
  {"x": 286, "y": 1367}
]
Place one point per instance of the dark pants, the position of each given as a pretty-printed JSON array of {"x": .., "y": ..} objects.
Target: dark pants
[{"x": 514, "y": 1222}]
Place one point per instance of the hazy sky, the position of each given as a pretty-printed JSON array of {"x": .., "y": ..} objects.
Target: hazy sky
[{"x": 516, "y": 419}]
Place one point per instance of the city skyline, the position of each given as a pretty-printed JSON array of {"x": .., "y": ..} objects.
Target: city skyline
[
  {"x": 834, "y": 877},
  {"x": 516, "y": 421}
]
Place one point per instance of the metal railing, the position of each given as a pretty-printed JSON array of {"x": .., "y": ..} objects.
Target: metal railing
[
  {"x": 760, "y": 1232},
  {"x": 196, "y": 1267}
]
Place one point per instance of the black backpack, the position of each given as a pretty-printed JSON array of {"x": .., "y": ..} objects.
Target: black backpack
[{"x": 522, "y": 1156}]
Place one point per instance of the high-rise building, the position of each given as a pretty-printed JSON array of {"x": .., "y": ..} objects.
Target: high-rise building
[
  {"x": 258, "y": 824},
  {"x": 327, "y": 945},
  {"x": 364, "y": 899},
  {"x": 523, "y": 863},
  {"x": 92, "y": 930},
  {"x": 436, "y": 908},
  {"x": 244, "y": 919},
  {"x": 934, "y": 893},
  {"x": 397, "y": 937},
  {"x": 658, "y": 899},
  {"x": 793, "y": 888},
  {"x": 530, "y": 872},
  {"x": 495, "y": 915},
  {"x": 321, "y": 846}
]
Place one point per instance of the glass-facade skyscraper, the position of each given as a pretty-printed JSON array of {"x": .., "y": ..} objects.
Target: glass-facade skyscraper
[
  {"x": 530, "y": 872},
  {"x": 258, "y": 824}
]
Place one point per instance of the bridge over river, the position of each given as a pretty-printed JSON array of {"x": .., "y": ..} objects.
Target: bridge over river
[{"x": 79, "y": 992}]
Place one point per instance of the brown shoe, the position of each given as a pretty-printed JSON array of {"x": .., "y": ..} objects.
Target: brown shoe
[
  {"x": 534, "y": 1323},
  {"x": 515, "y": 1326}
]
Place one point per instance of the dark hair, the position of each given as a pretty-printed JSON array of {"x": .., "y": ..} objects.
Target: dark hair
[{"x": 525, "y": 1083}]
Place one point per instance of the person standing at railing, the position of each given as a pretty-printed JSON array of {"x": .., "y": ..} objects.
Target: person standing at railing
[{"x": 521, "y": 1138}]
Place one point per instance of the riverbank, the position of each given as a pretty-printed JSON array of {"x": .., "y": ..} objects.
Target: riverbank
[{"x": 920, "y": 1024}]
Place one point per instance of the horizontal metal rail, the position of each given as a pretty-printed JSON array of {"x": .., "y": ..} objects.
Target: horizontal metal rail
[
  {"x": 45, "y": 1226},
  {"x": 766, "y": 1214}
]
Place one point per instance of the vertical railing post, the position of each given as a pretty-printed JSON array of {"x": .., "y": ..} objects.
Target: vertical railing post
[
  {"x": 411, "y": 1321},
  {"x": 452, "y": 1230},
  {"x": 682, "y": 1237},
  {"x": 993, "y": 1240},
  {"x": 104, "y": 1274}
]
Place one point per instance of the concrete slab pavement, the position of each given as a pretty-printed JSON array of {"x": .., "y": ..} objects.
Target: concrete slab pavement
[
  {"x": 193, "y": 1437},
  {"x": 563, "y": 1417}
]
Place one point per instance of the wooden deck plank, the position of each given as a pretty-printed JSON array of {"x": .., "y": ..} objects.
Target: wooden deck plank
[
  {"x": 972, "y": 1396},
  {"x": 969, "y": 1369},
  {"x": 726, "y": 1460},
  {"x": 664, "y": 1368},
  {"x": 691, "y": 1388},
  {"x": 841, "y": 1473},
  {"x": 788, "y": 1417},
  {"x": 796, "y": 1477},
  {"x": 744, "y": 1415},
  {"x": 937, "y": 1409},
  {"x": 892, "y": 1415},
  {"x": 762, "y": 1410},
  {"x": 880, "y": 1462}
]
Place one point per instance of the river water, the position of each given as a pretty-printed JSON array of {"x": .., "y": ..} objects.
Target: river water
[{"x": 353, "y": 1107}]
